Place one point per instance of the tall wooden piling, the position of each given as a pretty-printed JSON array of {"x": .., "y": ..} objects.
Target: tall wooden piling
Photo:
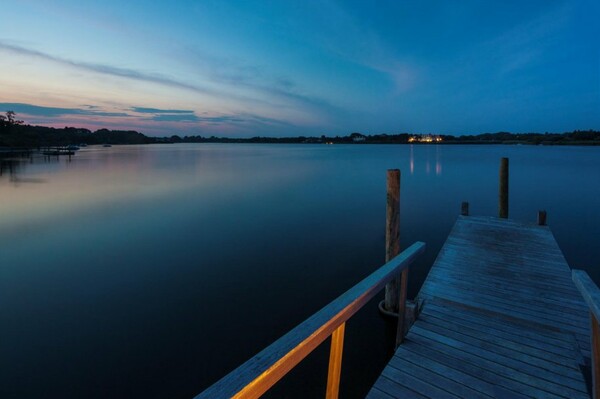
[
  {"x": 503, "y": 189},
  {"x": 392, "y": 235}
]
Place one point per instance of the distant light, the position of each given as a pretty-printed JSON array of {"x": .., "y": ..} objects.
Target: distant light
[{"x": 425, "y": 138}]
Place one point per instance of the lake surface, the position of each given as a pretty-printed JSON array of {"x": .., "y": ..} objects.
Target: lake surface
[{"x": 155, "y": 270}]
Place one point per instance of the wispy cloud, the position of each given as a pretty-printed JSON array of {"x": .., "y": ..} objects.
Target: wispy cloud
[
  {"x": 351, "y": 40},
  {"x": 144, "y": 110},
  {"x": 220, "y": 119},
  {"x": 526, "y": 44},
  {"x": 233, "y": 76},
  {"x": 167, "y": 115},
  {"x": 112, "y": 70},
  {"x": 36, "y": 110},
  {"x": 175, "y": 117},
  {"x": 281, "y": 90}
]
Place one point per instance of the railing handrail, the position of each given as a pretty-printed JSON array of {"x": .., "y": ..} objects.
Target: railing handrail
[
  {"x": 257, "y": 375},
  {"x": 589, "y": 291}
]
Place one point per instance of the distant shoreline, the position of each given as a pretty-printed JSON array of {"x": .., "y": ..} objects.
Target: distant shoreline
[{"x": 19, "y": 135}]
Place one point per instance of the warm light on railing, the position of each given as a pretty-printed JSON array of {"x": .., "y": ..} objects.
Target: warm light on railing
[{"x": 257, "y": 375}]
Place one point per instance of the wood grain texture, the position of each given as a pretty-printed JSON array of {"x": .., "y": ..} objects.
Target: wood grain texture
[
  {"x": 392, "y": 235},
  {"x": 501, "y": 317},
  {"x": 402, "y": 307},
  {"x": 335, "y": 363},
  {"x": 261, "y": 372}
]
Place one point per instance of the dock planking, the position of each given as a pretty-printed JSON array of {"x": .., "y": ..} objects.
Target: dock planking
[{"x": 500, "y": 318}]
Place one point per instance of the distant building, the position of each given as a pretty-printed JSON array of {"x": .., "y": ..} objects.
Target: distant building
[
  {"x": 357, "y": 137},
  {"x": 425, "y": 138}
]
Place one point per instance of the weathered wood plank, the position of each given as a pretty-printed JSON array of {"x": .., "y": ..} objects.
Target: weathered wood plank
[
  {"x": 508, "y": 343},
  {"x": 394, "y": 389},
  {"x": 580, "y": 341},
  {"x": 509, "y": 257},
  {"x": 537, "y": 375},
  {"x": 545, "y": 335},
  {"x": 500, "y": 269},
  {"x": 490, "y": 381},
  {"x": 526, "y": 300},
  {"x": 375, "y": 393},
  {"x": 539, "y": 289},
  {"x": 444, "y": 365},
  {"x": 501, "y": 333},
  {"x": 438, "y": 380},
  {"x": 481, "y": 301},
  {"x": 489, "y": 371},
  {"x": 553, "y": 314},
  {"x": 501, "y": 317},
  {"x": 420, "y": 386}
]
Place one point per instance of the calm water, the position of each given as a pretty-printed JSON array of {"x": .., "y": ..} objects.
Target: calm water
[{"x": 154, "y": 270}]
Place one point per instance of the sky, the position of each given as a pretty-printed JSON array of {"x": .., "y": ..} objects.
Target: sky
[{"x": 245, "y": 68}]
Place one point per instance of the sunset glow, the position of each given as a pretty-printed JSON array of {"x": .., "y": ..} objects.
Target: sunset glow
[{"x": 278, "y": 69}]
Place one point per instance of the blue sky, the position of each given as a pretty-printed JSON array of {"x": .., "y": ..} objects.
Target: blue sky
[{"x": 281, "y": 68}]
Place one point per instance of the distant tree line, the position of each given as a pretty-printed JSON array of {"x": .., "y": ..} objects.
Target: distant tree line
[
  {"x": 14, "y": 133},
  {"x": 577, "y": 137}
]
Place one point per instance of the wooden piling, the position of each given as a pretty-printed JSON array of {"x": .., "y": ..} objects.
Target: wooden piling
[
  {"x": 503, "y": 190},
  {"x": 541, "y": 219},
  {"x": 464, "y": 209},
  {"x": 392, "y": 235}
]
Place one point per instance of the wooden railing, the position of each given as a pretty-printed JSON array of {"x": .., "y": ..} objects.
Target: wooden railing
[
  {"x": 260, "y": 373},
  {"x": 591, "y": 294}
]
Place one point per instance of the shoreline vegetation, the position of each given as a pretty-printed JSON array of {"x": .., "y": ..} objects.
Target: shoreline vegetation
[{"x": 15, "y": 134}]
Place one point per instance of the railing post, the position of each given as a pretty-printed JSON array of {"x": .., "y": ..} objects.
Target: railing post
[
  {"x": 402, "y": 308},
  {"x": 392, "y": 234},
  {"x": 335, "y": 362},
  {"x": 541, "y": 219},
  {"x": 595, "y": 357},
  {"x": 503, "y": 189},
  {"x": 464, "y": 209},
  {"x": 591, "y": 295}
]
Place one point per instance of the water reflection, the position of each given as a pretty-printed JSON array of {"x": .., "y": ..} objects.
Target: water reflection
[
  {"x": 426, "y": 157},
  {"x": 14, "y": 166},
  {"x": 132, "y": 260},
  {"x": 10, "y": 167}
]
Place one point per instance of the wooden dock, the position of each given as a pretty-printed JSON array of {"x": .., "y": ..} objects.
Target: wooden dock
[{"x": 500, "y": 317}]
